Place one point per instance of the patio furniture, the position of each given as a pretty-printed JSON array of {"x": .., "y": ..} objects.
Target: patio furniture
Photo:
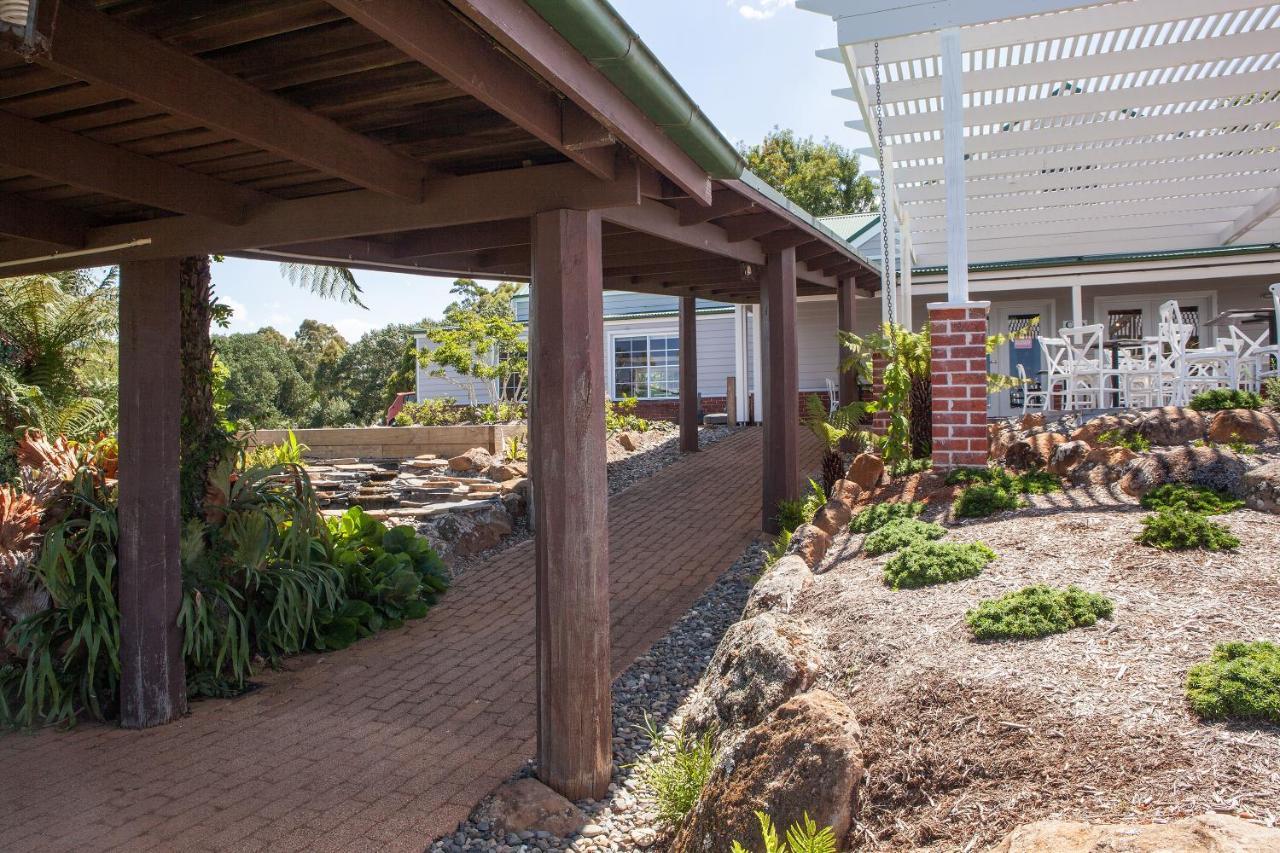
[
  {"x": 1269, "y": 363},
  {"x": 1191, "y": 369},
  {"x": 833, "y": 396},
  {"x": 1136, "y": 377},
  {"x": 1053, "y": 353},
  {"x": 1028, "y": 394},
  {"x": 1086, "y": 371}
]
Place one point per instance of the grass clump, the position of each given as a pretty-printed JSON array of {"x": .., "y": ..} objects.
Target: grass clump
[
  {"x": 679, "y": 770},
  {"x": 1128, "y": 440},
  {"x": 1175, "y": 529},
  {"x": 900, "y": 533},
  {"x": 1217, "y": 399},
  {"x": 1198, "y": 499},
  {"x": 929, "y": 563},
  {"x": 793, "y": 513},
  {"x": 875, "y": 517},
  {"x": 1037, "y": 611},
  {"x": 1240, "y": 681}
]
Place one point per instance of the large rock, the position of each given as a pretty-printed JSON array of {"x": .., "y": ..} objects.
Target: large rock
[
  {"x": 1243, "y": 425},
  {"x": 1103, "y": 466},
  {"x": 805, "y": 758},
  {"x": 476, "y": 459},
  {"x": 865, "y": 471},
  {"x": 810, "y": 542},
  {"x": 779, "y": 587},
  {"x": 1262, "y": 487},
  {"x": 1172, "y": 425},
  {"x": 999, "y": 437},
  {"x": 834, "y": 516},
  {"x": 511, "y": 470},
  {"x": 1210, "y": 833},
  {"x": 628, "y": 441},
  {"x": 1034, "y": 451},
  {"x": 1032, "y": 420},
  {"x": 760, "y": 663},
  {"x": 527, "y": 805},
  {"x": 1200, "y": 466},
  {"x": 1067, "y": 456},
  {"x": 1090, "y": 431}
]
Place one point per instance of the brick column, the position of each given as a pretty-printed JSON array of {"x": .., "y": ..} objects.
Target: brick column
[
  {"x": 880, "y": 420},
  {"x": 958, "y": 370}
]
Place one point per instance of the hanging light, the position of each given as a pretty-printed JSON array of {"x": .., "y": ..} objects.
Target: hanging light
[{"x": 15, "y": 12}]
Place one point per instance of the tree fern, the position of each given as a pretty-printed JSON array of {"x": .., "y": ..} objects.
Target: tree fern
[{"x": 328, "y": 282}]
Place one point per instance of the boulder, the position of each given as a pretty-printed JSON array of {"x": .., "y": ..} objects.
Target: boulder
[
  {"x": 810, "y": 542},
  {"x": 834, "y": 516},
  {"x": 1172, "y": 425},
  {"x": 1103, "y": 466},
  {"x": 474, "y": 460},
  {"x": 1261, "y": 488},
  {"x": 805, "y": 758},
  {"x": 501, "y": 471},
  {"x": 846, "y": 492},
  {"x": 866, "y": 471},
  {"x": 1208, "y": 833},
  {"x": 1089, "y": 432},
  {"x": 999, "y": 437},
  {"x": 1032, "y": 420},
  {"x": 1034, "y": 451},
  {"x": 760, "y": 663},
  {"x": 779, "y": 587},
  {"x": 1243, "y": 425},
  {"x": 527, "y": 805},
  {"x": 1067, "y": 456},
  {"x": 628, "y": 441},
  {"x": 1200, "y": 466}
]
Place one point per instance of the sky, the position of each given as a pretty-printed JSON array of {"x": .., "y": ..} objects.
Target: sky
[{"x": 749, "y": 64}]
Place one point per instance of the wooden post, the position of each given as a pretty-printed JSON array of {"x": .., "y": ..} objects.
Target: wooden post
[
  {"x": 731, "y": 401},
  {"x": 846, "y": 316},
  {"x": 567, "y": 450},
  {"x": 152, "y": 677},
  {"x": 781, "y": 385},
  {"x": 688, "y": 375}
]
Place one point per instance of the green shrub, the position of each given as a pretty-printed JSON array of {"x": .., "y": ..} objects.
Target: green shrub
[
  {"x": 1240, "y": 681},
  {"x": 1130, "y": 440},
  {"x": 1030, "y": 483},
  {"x": 620, "y": 415},
  {"x": 679, "y": 770},
  {"x": 1036, "y": 611},
  {"x": 802, "y": 837},
  {"x": 1197, "y": 499},
  {"x": 1271, "y": 390},
  {"x": 928, "y": 563},
  {"x": 287, "y": 452},
  {"x": 910, "y": 466},
  {"x": 983, "y": 499},
  {"x": 877, "y": 516},
  {"x": 1217, "y": 399},
  {"x": 900, "y": 533},
  {"x": 793, "y": 513},
  {"x": 1175, "y": 529}
]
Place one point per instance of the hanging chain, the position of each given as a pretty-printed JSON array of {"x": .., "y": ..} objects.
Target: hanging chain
[{"x": 889, "y": 291}]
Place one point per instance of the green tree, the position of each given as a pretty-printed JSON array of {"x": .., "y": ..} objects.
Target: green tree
[
  {"x": 366, "y": 370},
  {"x": 822, "y": 177},
  {"x": 264, "y": 386},
  {"x": 481, "y": 341}
]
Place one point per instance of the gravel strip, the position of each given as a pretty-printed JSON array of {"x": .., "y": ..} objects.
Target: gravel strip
[{"x": 657, "y": 684}]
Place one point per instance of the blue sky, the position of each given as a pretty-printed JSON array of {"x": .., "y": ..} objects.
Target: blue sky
[{"x": 749, "y": 64}]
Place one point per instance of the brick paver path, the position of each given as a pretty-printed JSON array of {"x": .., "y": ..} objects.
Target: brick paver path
[{"x": 390, "y": 743}]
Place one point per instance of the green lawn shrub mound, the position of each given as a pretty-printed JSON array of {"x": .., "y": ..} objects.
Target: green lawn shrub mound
[
  {"x": 875, "y": 517},
  {"x": 929, "y": 563},
  {"x": 992, "y": 490},
  {"x": 1198, "y": 499},
  {"x": 1176, "y": 529},
  {"x": 983, "y": 499},
  {"x": 900, "y": 533},
  {"x": 1217, "y": 399},
  {"x": 1240, "y": 681},
  {"x": 1037, "y": 611}
]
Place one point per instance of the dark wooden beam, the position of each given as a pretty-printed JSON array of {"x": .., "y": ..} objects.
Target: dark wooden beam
[
  {"x": 431, "y": 33},
  {"x": 780, "y": 368},
  {"x": 723, "y": 203},
  {"x": 847, "y": 268},
  {"x": 753, "y": 225},
  {"x": 809, "y": 251},
  {"x": 92, "y": 46},
  {"x": 846, "y": 321},
  {"x": 521, "y": 30},
  {"x": 655, "y": 218},
  {"x": 464, "y": 238},
  {"x": 152, "y": 677},
  {"x": 688, "y": 374},
  {"x": 627, "y": 267},
  {"x": 77, "y": 160},
  {"x": 779, "y": 240},
  {"x": 725, "y": 272},
  {"x": 570, "y": 499},
  {"x": 827, "y": 261},
  {"x": 29, "y": 219}
]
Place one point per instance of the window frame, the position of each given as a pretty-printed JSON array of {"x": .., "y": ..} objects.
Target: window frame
[{"x": 665, "y": 331}]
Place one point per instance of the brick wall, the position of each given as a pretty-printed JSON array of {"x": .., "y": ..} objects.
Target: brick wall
[
  {"x": 880, "y": 420},
  {"x": 958, "y": 369}
]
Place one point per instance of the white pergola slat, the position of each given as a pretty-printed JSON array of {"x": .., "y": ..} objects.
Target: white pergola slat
[{"x": 1089, "y": 127}]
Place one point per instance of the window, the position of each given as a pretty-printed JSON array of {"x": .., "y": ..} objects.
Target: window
[{"x": 646, "y": 366}]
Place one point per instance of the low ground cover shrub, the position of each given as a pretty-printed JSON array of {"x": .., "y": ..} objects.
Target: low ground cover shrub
[
  {"x": 679, "y": 770},
  {"x": 900, "y": 533},
  {"x": 1128, "y": 440},
  {"x": 983, "y": 499},
  {"x": 1176, "y": 529},
  {"x": 992, "y": 490},
  {"x": 802, "y": 837},
  {"x": 928, "y": 563},
  {"x": 1240, "y": 681},
  {"x": 1197, "y": 499},
  {"x": 1217, "y": 399},
  {"x": 1036, "y": 611},
  {"x": 793, "y": 513},
  {"x": 878, "y": 515},
  {"x": 445, "y": 411},
  {"x": 620, "y": 415},
  {"x": 910, "y": 466},
  {"x": 1271, "y": 390}
]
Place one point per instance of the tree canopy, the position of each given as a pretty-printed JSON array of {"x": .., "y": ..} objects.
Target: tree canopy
[
  {"x": 822, "y": 177},
  {"x": 480, "y": 340}
]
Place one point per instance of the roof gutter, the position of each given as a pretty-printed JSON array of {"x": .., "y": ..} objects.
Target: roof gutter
[{"x": 597, "y": 32}]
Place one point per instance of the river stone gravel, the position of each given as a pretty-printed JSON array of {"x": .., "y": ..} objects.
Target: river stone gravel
[{"x": 658, "y": 684}]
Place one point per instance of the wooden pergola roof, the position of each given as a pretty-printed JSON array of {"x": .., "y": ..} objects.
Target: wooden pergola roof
[{"x": 403, "y": 135}]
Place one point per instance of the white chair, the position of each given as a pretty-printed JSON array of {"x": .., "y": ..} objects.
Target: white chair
[
  {"x": 833, "y": 396},
  {"x": 1086, "y": 370},
  {"x": 1253, "y": 355},
  {"x": 1139, "y": 371},
  {"x": 1193, "y": 369},
  {"x": 1041, "y": 397},
  {"x": 1270, "y": 361},
  {"x": 1053, "y": 352}
]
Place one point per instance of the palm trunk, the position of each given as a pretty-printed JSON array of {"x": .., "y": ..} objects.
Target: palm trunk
[{"x": 202, "y": 440}]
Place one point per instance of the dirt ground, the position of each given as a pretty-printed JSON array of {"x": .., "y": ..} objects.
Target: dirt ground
[{"x": 966, "y": 740}]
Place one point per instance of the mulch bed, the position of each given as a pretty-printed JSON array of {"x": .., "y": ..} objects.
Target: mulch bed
[{"x": 965, "y": 740}]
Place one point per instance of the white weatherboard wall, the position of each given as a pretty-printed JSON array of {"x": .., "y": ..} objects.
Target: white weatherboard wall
[
  {"x": 439, "y": 387},
  {"x": 715, "y": 346}
]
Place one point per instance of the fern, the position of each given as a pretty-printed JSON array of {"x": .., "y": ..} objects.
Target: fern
[{"x": 804, "y": 836}]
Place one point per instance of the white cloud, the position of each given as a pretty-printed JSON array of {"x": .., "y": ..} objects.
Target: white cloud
[
  {"x": 239, "y": 316},
  {"x": 761, "y": 10},
  {"x": 352, "y": 328}
]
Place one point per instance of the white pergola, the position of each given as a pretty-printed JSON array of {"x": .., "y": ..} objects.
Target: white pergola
[{"x": 1074, "y": 128}]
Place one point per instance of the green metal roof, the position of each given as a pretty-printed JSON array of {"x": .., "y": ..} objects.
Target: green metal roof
[{"x": 1118, "y": 258}]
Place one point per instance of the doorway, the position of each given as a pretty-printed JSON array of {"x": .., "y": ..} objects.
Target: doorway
[{"x": 1024, "y": 321}]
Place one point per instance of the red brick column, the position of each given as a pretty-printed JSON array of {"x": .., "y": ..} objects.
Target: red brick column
[
  {"x": 958, "y": 370},
  {"x": 880, "y": 420}
]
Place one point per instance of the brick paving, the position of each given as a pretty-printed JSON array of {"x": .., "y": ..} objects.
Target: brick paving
[{"x": 388, "y": 744}]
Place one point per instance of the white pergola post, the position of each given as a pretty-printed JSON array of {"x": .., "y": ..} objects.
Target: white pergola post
[
  {"x": 757, "y": 387},
  {"x": 1077, "y": 306},
  {"x": 740, "y": 357},
  {"x": 889, "y": 292},
  {"x": 953, "y": 165},
  {"x": 904, "y": 304}
]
